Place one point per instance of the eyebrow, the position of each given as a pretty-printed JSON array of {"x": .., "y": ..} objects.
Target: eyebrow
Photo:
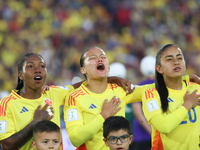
[
  {"x": 96, "y": 55},
  {"x": 56, "y": 139},
  {"x": 172, "y": 55},
  {"x": 51, "y": 139},
  {"x": 33, "y": 62}
]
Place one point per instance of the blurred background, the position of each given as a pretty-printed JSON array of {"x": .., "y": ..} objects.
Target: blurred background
[{"x": 128, "y": 30}]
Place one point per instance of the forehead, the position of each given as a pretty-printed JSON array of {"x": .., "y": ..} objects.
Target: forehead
[
  {"x": 171, "y": 51},
  {"x": 48, "y": 135},
  {"x": 34, "y": 57},
  {"x": 94, "y": 51},
  {"x": 118, "y": 133}
]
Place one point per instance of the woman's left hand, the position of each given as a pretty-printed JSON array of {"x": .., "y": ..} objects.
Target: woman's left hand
[
  {"x": 45, "y": 88},
  {"x": 124, "y": 83}
]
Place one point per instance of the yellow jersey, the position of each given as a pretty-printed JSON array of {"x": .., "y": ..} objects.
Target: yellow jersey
[
  {"x": 16, "y": 112},
  {"x": 82, "y": 110},
  {"x": 176, "y": 129}
]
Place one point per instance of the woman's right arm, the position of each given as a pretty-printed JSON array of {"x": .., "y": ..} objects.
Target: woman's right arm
[
  {"x": 80, "y": 133},
  {"x": 165, "y": 123},
  {"x": 137, "y": 110},
  {"x": 20, "y": 138}
]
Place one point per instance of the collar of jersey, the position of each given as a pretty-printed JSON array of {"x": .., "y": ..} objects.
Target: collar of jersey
[
  {"x": 14, "y": 92},
  {"x": 184, "y": 87},
  {"x": 94, "y": 94}
]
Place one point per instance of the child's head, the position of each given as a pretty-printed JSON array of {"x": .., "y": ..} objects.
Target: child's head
[
  {"x": 117, "y": 133},
  {"x": 46, "y": 135}
]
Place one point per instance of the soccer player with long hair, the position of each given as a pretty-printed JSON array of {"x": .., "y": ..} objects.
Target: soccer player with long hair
[
  {"x": 172, "y": 107},
  {"x": 88, "y": 106},
  {"x": 27, "y": 105},
  {"x": 95, "y": 100}
]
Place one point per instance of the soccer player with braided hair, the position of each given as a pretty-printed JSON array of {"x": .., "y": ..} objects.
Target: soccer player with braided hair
[{"x": 27, "y": 105}]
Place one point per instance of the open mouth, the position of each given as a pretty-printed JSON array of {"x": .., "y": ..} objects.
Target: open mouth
[
  {"x": 177, "y": 68},
  {"x": 38, "y": 78},
  {"x": 100, "y": 67}
]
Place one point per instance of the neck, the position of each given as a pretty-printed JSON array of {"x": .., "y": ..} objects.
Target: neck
[
  {"x": 174, "y": 83},
  {"x": 30, "y": 93},
  {"x": 97, "y": 86}
]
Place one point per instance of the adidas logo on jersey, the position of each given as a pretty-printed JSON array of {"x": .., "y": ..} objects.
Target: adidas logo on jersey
[
  {"x": 24, "y": 109},
  {"x": 92, "y": 106}
]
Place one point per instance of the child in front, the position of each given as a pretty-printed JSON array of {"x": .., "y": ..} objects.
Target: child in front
[{"x": 117, "y": 133}]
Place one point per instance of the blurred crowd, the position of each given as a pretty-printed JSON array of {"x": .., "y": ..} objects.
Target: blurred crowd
[{"x": 128, "y": 30}]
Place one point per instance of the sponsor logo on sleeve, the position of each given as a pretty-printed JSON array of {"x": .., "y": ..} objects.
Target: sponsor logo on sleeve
[
  {"x": 3, "y": 126},
  {"x": 72, "y": 115},
  {"x": 152, "y": 105}
]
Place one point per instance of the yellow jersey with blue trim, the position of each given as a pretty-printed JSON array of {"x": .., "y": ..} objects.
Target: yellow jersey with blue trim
[
  {"x": 82, "y": 110},
  {"x": 17, "y": 112},
  {"x": 176, "y": 129}
]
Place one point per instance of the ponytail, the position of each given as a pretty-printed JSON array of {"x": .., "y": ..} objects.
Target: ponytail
[
  {"x": 162, "y": 90},
  {"x": 159, "y": 81}
]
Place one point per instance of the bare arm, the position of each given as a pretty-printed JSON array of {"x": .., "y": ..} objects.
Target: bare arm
[
  {"x": 194, "y": 78},
  {"x": 137, "y": 110},
  {"x": 124, "y": 83},
  {"x": 20, "y": 138},
  {"x": 76, "y": 85}
]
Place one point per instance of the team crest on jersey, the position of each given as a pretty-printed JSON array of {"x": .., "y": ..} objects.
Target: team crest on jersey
[
  {"x": 48, "y": 101},
  {"x": 152, "y": 105},
  {"x": 64, "y": 87},
  {"x": 3, "y": 126}
]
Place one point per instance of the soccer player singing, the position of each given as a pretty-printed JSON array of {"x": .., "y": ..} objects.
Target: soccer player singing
[
  {"x": 27, "y": 105},
  {"x": 88, "y": 106},
  {"x": 172, "y": 108}
]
